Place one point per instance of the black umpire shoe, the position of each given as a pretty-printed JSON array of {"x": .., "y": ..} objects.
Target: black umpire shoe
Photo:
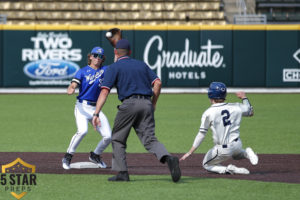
[
  {"x": 173, "y": 164},
  {"x": 121, "y": 176}
]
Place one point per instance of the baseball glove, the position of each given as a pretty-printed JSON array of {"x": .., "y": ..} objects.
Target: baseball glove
[{"x": 113, "y": 36}]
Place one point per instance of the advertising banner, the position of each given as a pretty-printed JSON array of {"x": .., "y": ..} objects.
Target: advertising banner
[
  {"x": 219, "y": 58},
  {"x": 249, "y": 58},
  {"x": 239, "y": 56},
  {"x": 43, "y": 58},
  {"x": 187, "y": 58},
  {"x": 283, "y": 58},
  {"x": 1, "y": 58}
]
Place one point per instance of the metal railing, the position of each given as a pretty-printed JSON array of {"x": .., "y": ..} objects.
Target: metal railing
[
  {"x": 243, "y": 18},
  {"x": 249, "y": 19},
  {"x": 3, "y": 19},
  {"x": 241, "y": 5}
]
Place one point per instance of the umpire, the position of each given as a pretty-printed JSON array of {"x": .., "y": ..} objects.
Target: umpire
[{"x": 133, "y": 80}]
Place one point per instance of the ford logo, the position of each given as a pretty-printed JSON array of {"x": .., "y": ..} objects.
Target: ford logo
[{"x": 51, "y": 69}]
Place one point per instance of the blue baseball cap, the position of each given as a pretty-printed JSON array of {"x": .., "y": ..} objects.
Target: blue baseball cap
[
  {"x": 123, "y": 44},
  {"x": 97, "y": 50}
]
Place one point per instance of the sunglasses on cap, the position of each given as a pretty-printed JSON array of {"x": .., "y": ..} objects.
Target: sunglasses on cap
[{"x": 98, "y": 56}]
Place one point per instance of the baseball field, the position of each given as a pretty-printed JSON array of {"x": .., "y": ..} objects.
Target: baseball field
[{"x": 38, "y": 127}]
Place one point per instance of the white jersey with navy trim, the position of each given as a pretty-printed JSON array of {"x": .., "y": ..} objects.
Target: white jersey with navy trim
[
  {"x": 224, "y": 120},
  {"x": 89, "y": 81}
]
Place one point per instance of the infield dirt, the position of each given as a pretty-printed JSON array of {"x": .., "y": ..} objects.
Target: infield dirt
[{"x": 271, "y": 167}]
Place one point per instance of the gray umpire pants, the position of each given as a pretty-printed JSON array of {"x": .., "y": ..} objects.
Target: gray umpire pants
[{"x": 139, "y": 114}]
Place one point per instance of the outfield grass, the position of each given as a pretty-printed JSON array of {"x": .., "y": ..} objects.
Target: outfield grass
[
  {"x": 90, "y": 187},
  {"x": 45, "y": 123}
]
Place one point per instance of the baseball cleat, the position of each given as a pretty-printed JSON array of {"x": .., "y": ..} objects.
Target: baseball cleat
[
  {"x": 66, "y": 161},
  {"x": 173, "y": 164},
  {"x": 95, "y": 158},
  {"x": 231, "y": 169},
  {"x": 121, "y": 176},
  {"x": 252, "y": 156}
]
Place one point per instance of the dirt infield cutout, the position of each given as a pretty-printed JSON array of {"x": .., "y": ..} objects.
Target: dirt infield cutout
[{"x": 271, "y": 167}]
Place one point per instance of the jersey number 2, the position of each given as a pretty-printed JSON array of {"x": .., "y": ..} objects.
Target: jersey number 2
[{"x": 226, "y": 120}]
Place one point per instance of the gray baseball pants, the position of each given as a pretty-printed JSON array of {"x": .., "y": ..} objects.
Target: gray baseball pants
[{"x": 139, "y": 114}]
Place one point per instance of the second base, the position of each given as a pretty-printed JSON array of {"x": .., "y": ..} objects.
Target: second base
[{"x": 83, "y": 165}]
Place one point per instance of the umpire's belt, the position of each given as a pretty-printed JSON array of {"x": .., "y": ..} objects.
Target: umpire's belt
[
  {"x": 138, "y": 96},
  {"x": 225, "y": 145},
  {"x": 87, "y": 102}
]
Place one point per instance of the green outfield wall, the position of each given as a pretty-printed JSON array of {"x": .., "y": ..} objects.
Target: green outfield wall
[{"x": 183, "y": 56}]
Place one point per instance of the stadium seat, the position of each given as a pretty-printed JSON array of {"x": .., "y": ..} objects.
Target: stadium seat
[
  {"x": 91, "y": 6},
  {"x": 182, "y": 6},
  {"x": 67, "y": 6},
  {"x": 135, "y": 6},
  {"x": 205, "y": 15},
  {"x": 124, "y": 6},
  {"x": 113, "y": 11},
  {"x": 38, "y": 6},
  {"x": 71, "y": 15},
  {"x": 158, "y": 6},
  {"x": 114, "y": 6},
  {"x": 5, "y": 5},
  {"x": 203, "y": 6},
  {"x": 145, "y": 15},
  {"x": 90, "y": 15},
  {"x": 146, "y": 6},
  {"x": 126, "y": 15},
  {"x": 213, "y": 6},
  {"x": 294, "y": 17},
  {"x": 283, "y": 11},
  {"x": 20, "y": 15},
  {"x": 280, "y": 16},
  {"x": 174, "y": 15},
  {"x": 101, "y": 16},
  {"x": 28, "y": 6},
  {"x": 11, "y": 6},
  {"x": 43, "y": 15},
  {"x": 169, "y": 6}
]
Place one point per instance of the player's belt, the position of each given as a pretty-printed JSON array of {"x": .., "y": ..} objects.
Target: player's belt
[
  {"x": 87, "y": 102},
  {"x": 225, "y": 145},
  {"x": 138, "y": 96}
]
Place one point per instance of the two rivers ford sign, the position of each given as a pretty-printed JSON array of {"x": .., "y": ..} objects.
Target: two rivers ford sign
[{"x": 51, "y": 69}]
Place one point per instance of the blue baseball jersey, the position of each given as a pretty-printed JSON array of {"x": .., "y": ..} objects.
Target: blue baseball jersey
[
  {"x": 90, "y": 82},
  {"x": 130, "y": 77}
]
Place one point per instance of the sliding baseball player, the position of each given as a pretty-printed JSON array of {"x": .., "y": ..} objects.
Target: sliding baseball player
[{"x": 224, "y": 120}]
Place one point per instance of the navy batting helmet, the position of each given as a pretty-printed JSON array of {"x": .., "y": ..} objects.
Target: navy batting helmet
[{"x": 217, "y": 90}]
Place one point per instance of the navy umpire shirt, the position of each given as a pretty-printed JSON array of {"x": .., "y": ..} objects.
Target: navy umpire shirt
[{"x": 130, "y": 77}]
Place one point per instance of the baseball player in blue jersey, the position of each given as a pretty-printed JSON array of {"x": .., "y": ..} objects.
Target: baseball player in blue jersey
[
  {"x": 224, "y": 120},
  {"x": 89, "y": 80}
]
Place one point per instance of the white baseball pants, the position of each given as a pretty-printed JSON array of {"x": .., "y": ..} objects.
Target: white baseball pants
[
  {"x": 84, "y": 114},
  {"x": 219, "y": 153}
]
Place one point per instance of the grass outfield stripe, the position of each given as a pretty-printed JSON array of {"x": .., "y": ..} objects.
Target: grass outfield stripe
[
  {"x": 45, "y": 123},
  {"x": 89, "y": 187},
  {"x": 164, "y": 90}
]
